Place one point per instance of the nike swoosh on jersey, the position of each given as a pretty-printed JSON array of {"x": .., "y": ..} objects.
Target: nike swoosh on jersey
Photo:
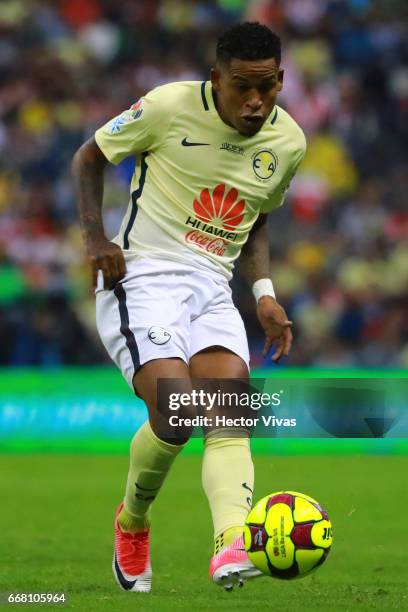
[
  {"x": 186, "y": 143},
  {"x": 127, "y": 584}
]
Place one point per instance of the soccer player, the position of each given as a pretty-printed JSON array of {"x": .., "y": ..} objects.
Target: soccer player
[{"x": 215, "y": 158}]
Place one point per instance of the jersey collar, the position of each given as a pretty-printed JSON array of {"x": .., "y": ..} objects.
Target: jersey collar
[{"x": 207, "y": 96}]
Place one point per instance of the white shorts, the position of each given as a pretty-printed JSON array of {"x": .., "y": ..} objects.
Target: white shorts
[{"x": 163, "y": 309}]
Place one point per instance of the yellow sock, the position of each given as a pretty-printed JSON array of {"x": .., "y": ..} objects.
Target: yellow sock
[
  {"x": 226, "y": 538},
  {"x": 228, "y": 482},
  {"x": 150, "y": 461}
]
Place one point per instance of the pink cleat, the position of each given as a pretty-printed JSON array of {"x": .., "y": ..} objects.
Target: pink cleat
[
  {"x": 131, "y": 559},
  {"x": 231, "y": 566}
]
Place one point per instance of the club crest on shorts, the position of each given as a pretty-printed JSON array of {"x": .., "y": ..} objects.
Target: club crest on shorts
[{"x": 158, "y": 335}]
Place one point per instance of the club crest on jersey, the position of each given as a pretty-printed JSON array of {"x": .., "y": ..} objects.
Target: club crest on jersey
[{"x": 264, "y": 164}]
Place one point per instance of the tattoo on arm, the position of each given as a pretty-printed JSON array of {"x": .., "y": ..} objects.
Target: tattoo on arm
[
  {"x": 254, "y": 260},
  {"x": 88, "y": 173}
]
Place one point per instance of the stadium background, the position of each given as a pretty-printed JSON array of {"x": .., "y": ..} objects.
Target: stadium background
[
  {"x": 338, "y": 246},
  {"x": 339, "y": 254}
]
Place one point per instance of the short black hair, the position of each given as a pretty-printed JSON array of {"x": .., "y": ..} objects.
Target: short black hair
[{"x": 248, "y": 41}]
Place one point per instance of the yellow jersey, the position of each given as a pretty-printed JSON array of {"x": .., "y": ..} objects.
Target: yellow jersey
[{"x": 199, "y": 185}]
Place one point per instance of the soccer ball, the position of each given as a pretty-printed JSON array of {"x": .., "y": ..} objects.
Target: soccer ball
[{"x": 287, "y": 534}]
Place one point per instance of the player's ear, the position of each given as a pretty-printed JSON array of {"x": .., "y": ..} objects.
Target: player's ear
[
  {"x": 215, "y": 78},
  {"x": 280, "y": 80}
]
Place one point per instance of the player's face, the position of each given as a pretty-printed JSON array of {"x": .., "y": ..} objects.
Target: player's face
[{"x": 246, "y": 92}]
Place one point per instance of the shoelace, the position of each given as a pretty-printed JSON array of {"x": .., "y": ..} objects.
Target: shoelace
[{"x": 133, "y": 551}]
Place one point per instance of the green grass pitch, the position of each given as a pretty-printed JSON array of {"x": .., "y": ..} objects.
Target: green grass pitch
[{"x": 57, "y": 513}]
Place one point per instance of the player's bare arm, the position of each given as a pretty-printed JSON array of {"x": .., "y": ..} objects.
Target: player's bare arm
[
  {"x": 254, "y": 265},
  {"x": 88, "y": 168}
]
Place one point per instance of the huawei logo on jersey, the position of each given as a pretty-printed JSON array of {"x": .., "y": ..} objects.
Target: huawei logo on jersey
[{"x": 220, "y": 206}]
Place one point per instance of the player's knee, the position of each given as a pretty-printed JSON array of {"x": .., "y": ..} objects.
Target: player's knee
[
  {"x": 183, "y": 422},
  {"x": 167, "y": 431},
  {"x": 174, "y": 427}
]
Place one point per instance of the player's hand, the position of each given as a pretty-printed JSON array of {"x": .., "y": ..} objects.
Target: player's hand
[
  {"x": 108, "y": 257},
  {"x": 276, "y": 326}
]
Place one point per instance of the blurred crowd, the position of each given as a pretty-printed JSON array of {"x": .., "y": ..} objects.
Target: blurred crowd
[{"x": 339, "y": 245}]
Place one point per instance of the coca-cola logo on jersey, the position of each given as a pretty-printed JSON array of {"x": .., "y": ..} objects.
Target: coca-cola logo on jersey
[
  {"x": 225, "y": 210},
  {"x": 217, "y": 246}
]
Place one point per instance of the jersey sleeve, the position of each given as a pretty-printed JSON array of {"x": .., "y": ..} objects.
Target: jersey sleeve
[
  {"x": 139, "y": 128},
  {"x": 278, "y": 196}
]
